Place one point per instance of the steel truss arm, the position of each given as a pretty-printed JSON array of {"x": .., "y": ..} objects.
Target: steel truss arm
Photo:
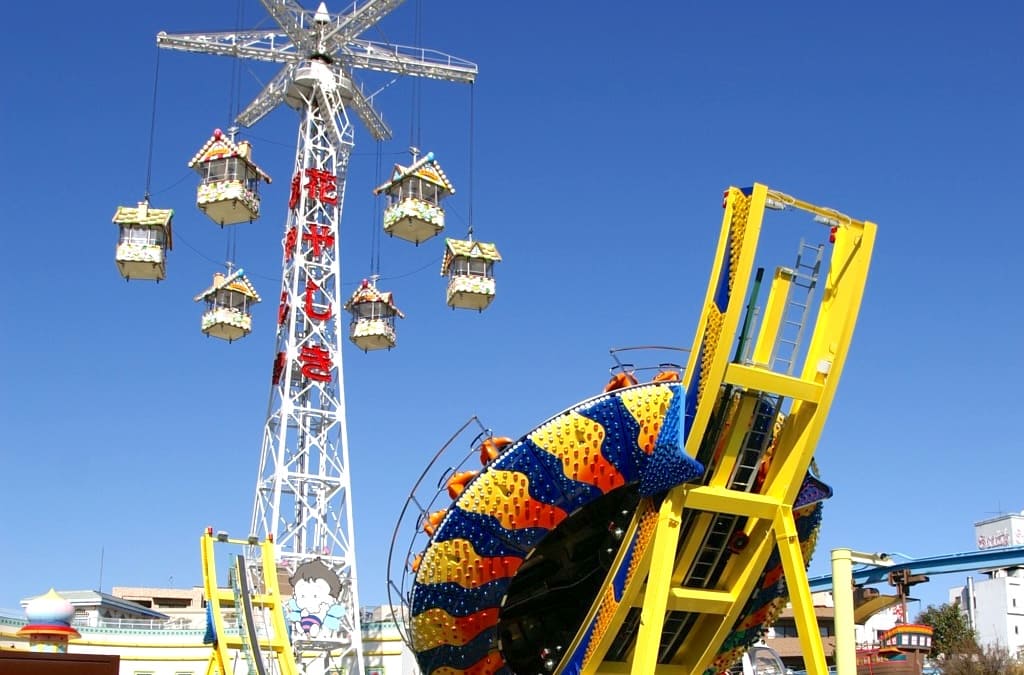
[
  {"x": 348, "y": 26},
  {"x": 402, "y": 60},
  {"x": 367, "y": 113},
  {"x": 290, "y": 16},
  {"x": 261, "y": 46},
  {"x": 268, "y": 98}
]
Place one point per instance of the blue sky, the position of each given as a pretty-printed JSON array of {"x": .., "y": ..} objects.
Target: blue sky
[{"x": 604, "y": 138}]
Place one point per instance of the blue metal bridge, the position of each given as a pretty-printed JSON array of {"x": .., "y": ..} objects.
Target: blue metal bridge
[{"x": 970, "y": 561}]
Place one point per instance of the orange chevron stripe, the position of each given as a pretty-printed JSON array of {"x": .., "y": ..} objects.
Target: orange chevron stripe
[
  {"x": 456, "y": 561},
  {"x": 576, "y": 441},
  {"x": 648, "y": 406},
  {"x": 505, "y": 495},
  {"x": 436, "y": 627},
  {"x": 488, "y": 665}
]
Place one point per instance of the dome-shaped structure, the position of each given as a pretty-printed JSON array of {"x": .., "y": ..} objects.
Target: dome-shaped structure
[
  {"x": 469, "y": 266},
  {"x": 414, "y": 211},
  {"x": 229, "y": 302},
  {"x": 373, "y": 317},
  {"x": 143, "y": 242},
  {"x": 49, "y": 623},
  {"x": 229, "y": 188}
]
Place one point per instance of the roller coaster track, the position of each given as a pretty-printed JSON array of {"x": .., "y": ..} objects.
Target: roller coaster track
[{"x": 657, "y": 528}]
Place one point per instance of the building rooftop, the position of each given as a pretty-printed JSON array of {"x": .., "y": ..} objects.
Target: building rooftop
[{"x": 100, "y": 601}]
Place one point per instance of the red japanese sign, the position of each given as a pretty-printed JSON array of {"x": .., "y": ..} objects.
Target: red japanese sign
[
  {"x": 316, "y": 363},
  {"x": 296, "y": 191},
  {"x": 311, "y": 311},
  {"x": 283, "y": 308},
  {"x": 319, "y": 238},
  {"x": 279, "y": 363},
  {"x": 322, "y": 186},
  {"x": 290, "y": 238}
]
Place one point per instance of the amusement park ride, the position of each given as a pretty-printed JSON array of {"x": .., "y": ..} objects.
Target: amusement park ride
[
  {"x": 656, "y": 528},
  {"x": 653, "y": 529}
]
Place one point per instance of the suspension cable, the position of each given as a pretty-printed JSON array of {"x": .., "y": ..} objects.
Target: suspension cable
[
  {"x": 235, "y": 86},
  {"x": 234, "y": 104},
  {"x": 472, "y": 134},
  {"x": 416, "y": 107},
  {"x": 231, "y": 247},
  {"x": 152, "y": 127},
  {"x": 376, "y": 236}
]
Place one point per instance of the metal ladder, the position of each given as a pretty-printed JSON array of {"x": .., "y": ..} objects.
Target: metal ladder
[{"x": 805, "y": 273}]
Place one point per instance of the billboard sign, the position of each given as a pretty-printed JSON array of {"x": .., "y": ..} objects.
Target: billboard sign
[{"x": 999, "y": 532}]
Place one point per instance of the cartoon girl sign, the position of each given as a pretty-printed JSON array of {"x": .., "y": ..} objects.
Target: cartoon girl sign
[{"x": 314, "y": 610}]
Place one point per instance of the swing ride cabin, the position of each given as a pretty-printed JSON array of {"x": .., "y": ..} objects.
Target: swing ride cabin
[
  {"x": 469, "y": 266},
  {"x": 144, "y": 240},
  {"x": 373, "y": 317},
  {"x": 229, "y": 190},
  {"x": 228, "y": 304},
  {"x": 414, "y": 211}
]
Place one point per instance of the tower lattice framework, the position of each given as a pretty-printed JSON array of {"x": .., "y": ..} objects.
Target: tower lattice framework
[
  {"x": 303, "y": 492},
  {"x": 303, "y": 488}
]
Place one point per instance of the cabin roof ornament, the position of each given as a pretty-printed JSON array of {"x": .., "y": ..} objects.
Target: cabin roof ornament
[
  {"x": 219, "y": 146},
  {"x": 237, "y": 281}
]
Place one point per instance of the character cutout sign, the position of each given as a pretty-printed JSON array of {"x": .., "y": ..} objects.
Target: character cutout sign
[{"x": 315, "y": 610}]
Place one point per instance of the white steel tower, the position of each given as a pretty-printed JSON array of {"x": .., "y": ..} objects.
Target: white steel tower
[{"x": 303, "y": 489}]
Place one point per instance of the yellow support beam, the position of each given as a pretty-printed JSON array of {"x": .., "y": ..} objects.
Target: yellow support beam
[
  {"x": 795, "y": 569},
  {"x": 726, "y": 451},
  {"x": 281, "y": 644},
  {"x": 846, "y": 615},
  {"x": 622, "y": 668},
  {"x": 826, "y": 356},
  {"x": 723, "y": 500},
  {"x": 659, "y": 581},
  {"x": 700, "y": 601},
  {"x": 605, "y": 634},
  {"x": 842, "y": 594},
  {"x": 731, "y": 444},
  {"x": 825, "y": 212},
  {"x": 771, "y": 319},
  {"x": 220, "y": 657},
  {"x": 709, "y": 632},
  {"x": 768, "y": 517},
  {"x": 767, "y": 381},
  {"x": 741, "y": 228},
  {"x": 221, "y": 661}
]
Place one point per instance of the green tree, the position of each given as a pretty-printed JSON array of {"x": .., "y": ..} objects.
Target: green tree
[{"x": 952, "y": 635}]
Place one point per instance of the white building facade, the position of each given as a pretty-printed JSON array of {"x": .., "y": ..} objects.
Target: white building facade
[
  {"x": 995, "y": 604},
  {"x": 162, "y": 631}
]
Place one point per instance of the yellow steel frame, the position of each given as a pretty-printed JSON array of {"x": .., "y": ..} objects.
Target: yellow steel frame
[
  {"x": 656, "y": 587},
  {"x": 277, "y": 644}
]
